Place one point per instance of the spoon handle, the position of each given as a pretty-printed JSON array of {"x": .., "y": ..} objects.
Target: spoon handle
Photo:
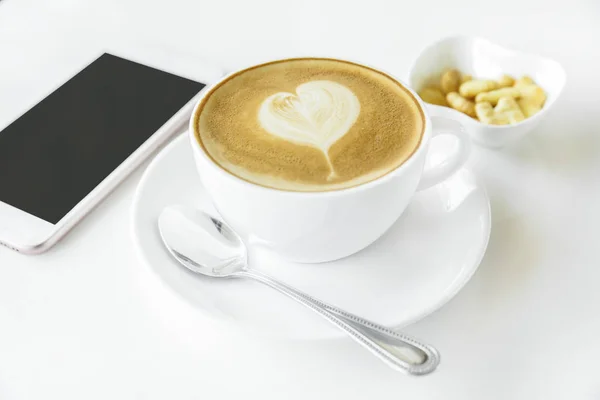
[
  {"x": 379, "y": 340},
  {"x": 429, "y": 357}
]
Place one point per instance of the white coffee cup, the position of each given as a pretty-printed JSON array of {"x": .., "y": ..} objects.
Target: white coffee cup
[{"x": 314, "y": 227}]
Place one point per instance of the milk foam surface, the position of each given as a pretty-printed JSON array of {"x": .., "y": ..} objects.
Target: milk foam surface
[{"x": 309, "y": 124}]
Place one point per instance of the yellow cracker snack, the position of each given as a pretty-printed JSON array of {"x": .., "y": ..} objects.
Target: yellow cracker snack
[
  {"x": 485, "y": 113},
  {"x": 433, "y": 96},
  {"x": 508, "y": 106},
  {"x": 506, "y": 112},
  {"x": 532, "y": 99},
  {"x": 493, "y": 96},
  {"x": 524, "y": 81},
  {"x": 528, "y": 108},
  {"x": 461, "y": 104},
  {"x": 534, "y": 93},
  {"x": 497, "y": 102},
  {"x": 450, "y": 81},
  {"x": 506, "y": 81},
  {"x": 472, "y": 88}
]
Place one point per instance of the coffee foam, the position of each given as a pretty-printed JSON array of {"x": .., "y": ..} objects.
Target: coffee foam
[
  {"x": 318, "y": 114},
  {"x": 309, "y": 124}
]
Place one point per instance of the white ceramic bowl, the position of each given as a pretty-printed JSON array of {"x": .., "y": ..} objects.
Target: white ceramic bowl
[{"x": 484, "y": 59}]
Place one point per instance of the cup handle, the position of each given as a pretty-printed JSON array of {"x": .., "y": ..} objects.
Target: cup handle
[{"x": 444, "y": 124}]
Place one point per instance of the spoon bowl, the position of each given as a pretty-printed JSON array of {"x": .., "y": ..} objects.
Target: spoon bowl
[{"x": 202, "y": 243}]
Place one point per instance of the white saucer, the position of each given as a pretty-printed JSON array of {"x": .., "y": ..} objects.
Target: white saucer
[{"x": 414, "y": 269}]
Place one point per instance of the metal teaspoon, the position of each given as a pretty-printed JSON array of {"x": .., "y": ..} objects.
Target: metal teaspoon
[{"x": 208, "y": 246}]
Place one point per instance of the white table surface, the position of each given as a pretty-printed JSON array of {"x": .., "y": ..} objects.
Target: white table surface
[{"x": 83, "y": 321}]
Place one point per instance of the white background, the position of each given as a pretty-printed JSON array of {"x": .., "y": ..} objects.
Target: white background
[{"x": 80, "y": 323}]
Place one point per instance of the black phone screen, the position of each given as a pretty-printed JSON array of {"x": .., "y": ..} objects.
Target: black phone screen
[{"x": 57, "y": 152}]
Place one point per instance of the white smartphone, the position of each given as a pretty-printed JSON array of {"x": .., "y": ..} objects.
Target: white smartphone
[{"x": 62, "y": 157}]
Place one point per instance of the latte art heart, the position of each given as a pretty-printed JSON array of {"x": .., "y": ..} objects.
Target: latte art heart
[{"x": 319, "y": 114}]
